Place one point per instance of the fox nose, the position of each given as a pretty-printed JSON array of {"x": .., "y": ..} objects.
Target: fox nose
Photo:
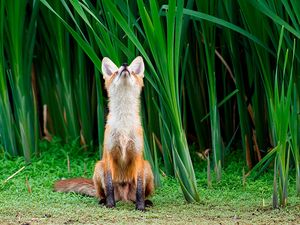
[{"x": 125, "y": 65}]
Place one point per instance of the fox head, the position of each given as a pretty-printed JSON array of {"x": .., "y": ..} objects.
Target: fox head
[{"x": 125, "y": 78}]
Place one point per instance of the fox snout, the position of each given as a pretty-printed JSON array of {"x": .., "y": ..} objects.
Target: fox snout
[{"x": 124, "y": 70}]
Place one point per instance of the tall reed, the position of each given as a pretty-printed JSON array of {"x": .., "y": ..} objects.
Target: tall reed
[
  {"x": 20, "y": 40},
  {"x": 7, "y": 133},
  {"x": 280, "y": 112}
]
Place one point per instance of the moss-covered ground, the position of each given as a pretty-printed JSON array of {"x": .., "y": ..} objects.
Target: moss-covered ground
[{"x": 27, "y": 198}]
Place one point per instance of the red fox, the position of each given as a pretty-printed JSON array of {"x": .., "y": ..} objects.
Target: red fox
[{"x": 122, "y": 174}]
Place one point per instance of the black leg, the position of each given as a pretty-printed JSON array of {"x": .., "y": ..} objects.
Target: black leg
[
  {"x": 140, "y": 195},
  {"x": 110, "y": 195}
]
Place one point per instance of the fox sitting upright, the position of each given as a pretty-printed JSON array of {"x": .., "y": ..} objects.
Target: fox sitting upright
[{"x": 122, "y": 174}]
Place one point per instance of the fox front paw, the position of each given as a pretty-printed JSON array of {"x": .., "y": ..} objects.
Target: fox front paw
[{"x": 148, "y": 203}]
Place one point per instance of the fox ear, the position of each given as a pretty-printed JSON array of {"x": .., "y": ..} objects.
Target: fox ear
[
  {"x": 108, "y": 67},
  {"x": 137, "y": 66}
]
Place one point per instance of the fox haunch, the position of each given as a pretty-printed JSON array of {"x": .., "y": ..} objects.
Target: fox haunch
[{"x": 122, "y": 174}]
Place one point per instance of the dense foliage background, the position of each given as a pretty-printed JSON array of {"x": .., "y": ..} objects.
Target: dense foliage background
[{"x": 221, "y": 76}]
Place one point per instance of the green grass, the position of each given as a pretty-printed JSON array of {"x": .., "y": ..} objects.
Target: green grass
[{"x": 227, "y": 202}]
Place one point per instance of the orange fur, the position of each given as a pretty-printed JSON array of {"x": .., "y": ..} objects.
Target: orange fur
[
  {"x": 79, "y": 185},
  {"x": 123, "y": 173}
]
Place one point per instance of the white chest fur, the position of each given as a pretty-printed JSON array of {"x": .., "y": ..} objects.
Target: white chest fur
[{"x": 124, "y": 122}]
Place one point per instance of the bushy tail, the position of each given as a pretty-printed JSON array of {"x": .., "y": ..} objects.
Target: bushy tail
[{"x": 78, "y": 185}]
